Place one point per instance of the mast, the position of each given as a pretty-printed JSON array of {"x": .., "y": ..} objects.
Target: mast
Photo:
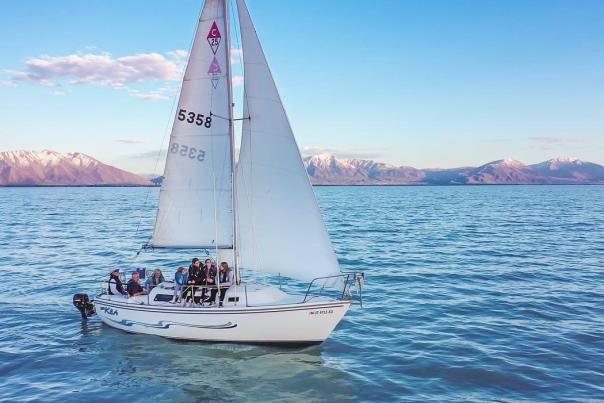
[{"x": 231, "y": 133}]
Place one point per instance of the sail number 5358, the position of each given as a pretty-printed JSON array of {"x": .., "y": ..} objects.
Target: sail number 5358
[
  {"x": 185, "y": 151},
  {"x": 192, "y": 117}
]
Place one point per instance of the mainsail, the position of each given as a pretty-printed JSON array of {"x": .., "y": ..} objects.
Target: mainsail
[
  {"x": 280, "y": 228},
  {"x": 196, "y": 200}
]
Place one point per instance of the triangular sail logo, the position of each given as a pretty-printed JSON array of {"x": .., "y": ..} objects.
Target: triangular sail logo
[
  {"x": 214, "y": 70},
  {"x": 214, "y": 67},
  {"x": 214, "y": 37}
]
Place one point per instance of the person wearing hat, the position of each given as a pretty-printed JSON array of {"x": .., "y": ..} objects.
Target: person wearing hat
[{"x": 115, "y": 286}]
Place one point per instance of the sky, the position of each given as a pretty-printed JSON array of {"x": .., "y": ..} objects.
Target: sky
[{"x": 430, "y": 83}]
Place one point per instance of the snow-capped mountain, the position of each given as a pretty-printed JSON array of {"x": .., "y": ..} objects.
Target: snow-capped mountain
[
  {"x": 572, "y": 169},
  {"x": 326, "y": 170},
  {"x": 51, "y": 168}
]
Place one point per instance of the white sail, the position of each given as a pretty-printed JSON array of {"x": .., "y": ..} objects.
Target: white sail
[
  {"x": 195, "y": 204},
  {"x": 280, "y": 228}
]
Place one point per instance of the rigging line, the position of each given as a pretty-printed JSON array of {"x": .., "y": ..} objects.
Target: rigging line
[
  {"x": 170, "y": 120},
  {"x": 222, "y": 117}
]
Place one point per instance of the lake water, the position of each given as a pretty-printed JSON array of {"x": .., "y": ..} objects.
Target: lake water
[{"x": 476, "y": 293}]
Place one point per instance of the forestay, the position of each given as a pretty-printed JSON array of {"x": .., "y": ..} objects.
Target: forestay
[
  {"x": 195, "y": 203},
  {"x": 279, "y": 223}
]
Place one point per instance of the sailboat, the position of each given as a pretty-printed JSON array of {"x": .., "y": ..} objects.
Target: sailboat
[{"x": 259, "y": 213}]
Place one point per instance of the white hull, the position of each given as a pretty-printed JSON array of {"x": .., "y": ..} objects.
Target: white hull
[{"x": 295, "y": 323}]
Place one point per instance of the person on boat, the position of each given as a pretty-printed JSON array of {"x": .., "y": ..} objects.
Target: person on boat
[
  {"x": 133, "y": 287},
  {"x": 195, "y": 278},
  {"x": 225, "y": 280},
  {"x": 115, "y": 286},
  {"x": 209, "y": 274},
  {"x": 154, "y": 280},
  {"x": 180, "y": 279}
]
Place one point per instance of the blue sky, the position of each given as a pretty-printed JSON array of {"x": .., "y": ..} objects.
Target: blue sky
[{"x": 423, "y": 83}]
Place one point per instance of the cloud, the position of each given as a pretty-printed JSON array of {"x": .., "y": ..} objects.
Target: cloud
[
  {"x": 307, "y": 151},
  {"x": 159, "y": 94},
  {"x": 179, "y": 54},
  {"x": 129, "y": 141},
  {"x": 153, "y": 154},
  {"x": 553, "y": 142},
  {"x": 100, "y": 69}
]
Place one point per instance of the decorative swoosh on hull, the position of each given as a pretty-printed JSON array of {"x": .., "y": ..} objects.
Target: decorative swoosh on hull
[{"x": 163, "y": 324}]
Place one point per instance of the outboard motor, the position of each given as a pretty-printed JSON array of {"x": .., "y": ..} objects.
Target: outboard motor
[{"x": 83, "y": 304}]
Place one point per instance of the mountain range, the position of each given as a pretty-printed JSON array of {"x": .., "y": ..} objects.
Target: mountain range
[
  {"x": 328, "y": 170},
  {"x": 51, "y": 168}
]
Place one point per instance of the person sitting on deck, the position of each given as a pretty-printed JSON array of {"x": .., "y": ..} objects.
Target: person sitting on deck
[
  {"x": 154, "y": 280},
  {"x": 115, "y": 286},
  {"x": 133, "y": 287},
  {"x": 225, "y": 280},
  {"x": 209, "y": 274},
  {"x": 180, "y": 279},
  {"x": 195, "y": 278}
]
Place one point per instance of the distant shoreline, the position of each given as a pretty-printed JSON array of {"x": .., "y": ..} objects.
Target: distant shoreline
[{"x": 327, "y": 185}]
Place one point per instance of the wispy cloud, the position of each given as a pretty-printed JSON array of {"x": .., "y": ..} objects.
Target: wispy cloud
[
  {"x": 179, "y": 54},
  {"x": 105, "y": 70},
  {"x": 153, "y": 154},
  {"x": 101, "y": 69},
  {"x": 555, "y": 142},
  {"x": 307, "y": 151},
  {"x": 159, "y": 94},
  {"x": 129, "y": 141}
]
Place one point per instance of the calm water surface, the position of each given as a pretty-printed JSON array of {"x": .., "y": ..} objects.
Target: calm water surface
[{"x": 476, "y": 293}]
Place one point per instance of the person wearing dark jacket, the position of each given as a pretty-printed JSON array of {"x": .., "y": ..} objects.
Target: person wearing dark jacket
[
  {"x": 209, "y": 274},
  {"x": 196, "y": 278},
  {"x": 133, "y": 287},
  {"x": 115, "y": 286}
]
